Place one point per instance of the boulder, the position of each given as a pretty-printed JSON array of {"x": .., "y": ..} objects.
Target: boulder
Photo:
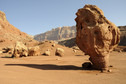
[
  {"x": 9, "y": 49},
  {"x": 34, "y": 51},
  {"x": 20, "y": 50},
  {"x": 96, "y": 36},
  {"x": 59, "y": 52}
]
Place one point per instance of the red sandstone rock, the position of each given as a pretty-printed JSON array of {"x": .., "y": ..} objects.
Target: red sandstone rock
[{"x": 96, "y": 35}]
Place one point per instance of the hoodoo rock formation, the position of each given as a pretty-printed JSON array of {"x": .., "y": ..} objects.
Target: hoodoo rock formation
[{"x": 96, "y": 35}]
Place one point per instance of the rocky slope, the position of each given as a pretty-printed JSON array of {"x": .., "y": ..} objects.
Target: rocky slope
[
  {"x": 10, "y": 34},
  {"x": 59, "y": 33}
]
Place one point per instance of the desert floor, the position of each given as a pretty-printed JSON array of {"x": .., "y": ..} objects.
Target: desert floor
[{"x": 60, "y": 70}]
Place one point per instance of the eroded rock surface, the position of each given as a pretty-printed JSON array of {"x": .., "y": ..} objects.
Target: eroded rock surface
[
  {"x": 96, "y": 35},
  {"x": 59, "y": 52},
  {"x": 34, "y": 51},
  {"x": 9, "y": 49},
  {"x": 10, "y": 34},
  {"x": 20, "y": 50}
]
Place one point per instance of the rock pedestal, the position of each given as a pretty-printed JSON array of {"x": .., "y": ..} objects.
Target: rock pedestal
[{"x": 96, "y": 36}]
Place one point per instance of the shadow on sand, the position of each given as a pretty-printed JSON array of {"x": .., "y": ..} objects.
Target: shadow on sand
[
  {"x": 6, "y": 57},
  {"x": 49, "y": 66}
]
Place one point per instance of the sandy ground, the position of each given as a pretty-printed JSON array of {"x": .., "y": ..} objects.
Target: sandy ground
[{"x": 60, "y": 70}]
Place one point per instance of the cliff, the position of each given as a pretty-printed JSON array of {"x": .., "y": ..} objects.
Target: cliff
[
  {"x": 59, "y": 33},
  {"x": 123, "y": 35}
]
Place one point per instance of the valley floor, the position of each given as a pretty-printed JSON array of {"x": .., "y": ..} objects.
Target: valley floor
[{"x": 60, "y": 70}]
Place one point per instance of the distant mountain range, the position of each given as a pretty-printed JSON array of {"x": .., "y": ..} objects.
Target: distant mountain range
[
  {"x": 68, "y": 32},
  {"x": 60, "y": 33}
]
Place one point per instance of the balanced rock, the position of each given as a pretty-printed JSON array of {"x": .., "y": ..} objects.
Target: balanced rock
[
  {"x": 96, "y": 36},
  {"x": 34, "y": 51},
  {"x": 20, "y": 50},
  {"x": 59, "y": 52}
]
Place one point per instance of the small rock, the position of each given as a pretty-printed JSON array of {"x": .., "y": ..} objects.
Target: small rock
[
  {"x": 74, "y": 50},
  {"x": 59, "y": 52},
  {"x": 120, "y": 51},
  {"x": 1, "y": 52},
  {"x": 51, "y": 42},
  {"x": 47, "y": 53},
  {"x": 53, "y": 45},
  {"x": 86, "y": 65},
  {"x": 104, "y": 71},
  {"x": 110, "y": 66},
  {"x": 2, "y": 40},
  {"x": 109, "y": 70},
  {"x": 58, "y": 59}
]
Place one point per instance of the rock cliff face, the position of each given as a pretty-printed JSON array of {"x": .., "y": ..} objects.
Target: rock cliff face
[
  {"x": 123, "y": 35},
  {"x": 59, "y": 33},
  {"x": 9, "y": 33}
]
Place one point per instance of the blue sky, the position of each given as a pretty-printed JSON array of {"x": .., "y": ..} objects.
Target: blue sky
[{"x": 37, "y": 16}]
